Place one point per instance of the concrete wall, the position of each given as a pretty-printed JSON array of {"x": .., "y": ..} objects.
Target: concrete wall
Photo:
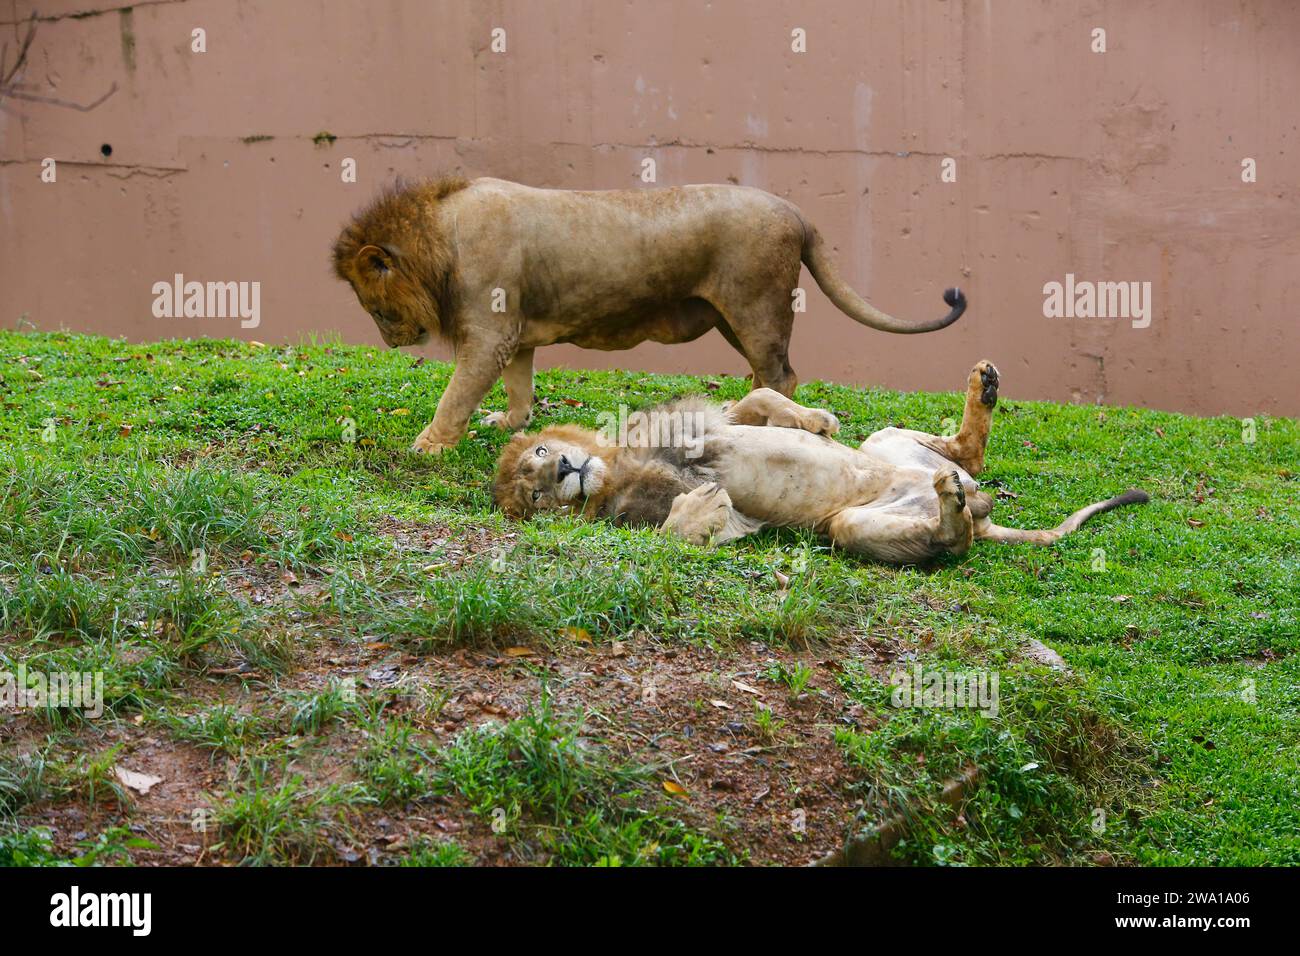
[{"x": 1115, "y": 166}]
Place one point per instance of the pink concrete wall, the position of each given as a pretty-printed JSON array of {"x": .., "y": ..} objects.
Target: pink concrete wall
[{"x": 1115, "y": 166}]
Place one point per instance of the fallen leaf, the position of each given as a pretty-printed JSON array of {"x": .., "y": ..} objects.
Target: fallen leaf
[
  {"x": 676, "y": 789},
  {"x": 1195, "y": 524},
  {"x": 520, "y": 652},
  {"x": 721, "y": 704},
  {"x": 576, "y": 634},
  {"x": 782, "y": 580},
  {"x": 141, "y": 783},
  {"x": 745, "y": 688}
]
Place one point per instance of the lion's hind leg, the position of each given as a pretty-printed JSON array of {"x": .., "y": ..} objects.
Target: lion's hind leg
[
  {"x": 908, "y": 535},
  {"x": 966, "y": 448},
  {"x": 765, "y": 406},
  {"x": 884, "y": 535}
]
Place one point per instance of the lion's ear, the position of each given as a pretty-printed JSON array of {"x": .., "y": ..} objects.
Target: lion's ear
[{"x": 374, "y": 262}]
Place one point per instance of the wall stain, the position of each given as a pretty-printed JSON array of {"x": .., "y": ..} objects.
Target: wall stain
[{"x": 127, "y": 17}]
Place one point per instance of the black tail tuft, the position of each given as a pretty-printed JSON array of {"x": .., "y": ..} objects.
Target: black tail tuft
[
  {"x": 956, "y": 300},
  {"x": 1133, "y": 496}
]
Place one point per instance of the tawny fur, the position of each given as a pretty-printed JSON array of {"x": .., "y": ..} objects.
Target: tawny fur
[
  {"x": 499, "y": 269},
  {"x": 903, "y": 497}
]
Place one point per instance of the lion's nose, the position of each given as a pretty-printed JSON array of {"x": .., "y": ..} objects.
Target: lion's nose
[{"x": 565, "y": 468}]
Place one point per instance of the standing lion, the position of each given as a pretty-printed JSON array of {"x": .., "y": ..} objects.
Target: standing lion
[{"x": 498, "y": 269}]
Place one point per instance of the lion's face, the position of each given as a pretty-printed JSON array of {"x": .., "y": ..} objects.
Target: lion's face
[
  {"x": 547, "y": 473},
  {"x": 396, "y": 328},
  {"x": 403, "y": 310},
  {"x": 398, "y": 261}
]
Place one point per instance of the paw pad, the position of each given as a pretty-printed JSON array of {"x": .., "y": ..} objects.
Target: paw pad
[{"x": 989, "y": 385}]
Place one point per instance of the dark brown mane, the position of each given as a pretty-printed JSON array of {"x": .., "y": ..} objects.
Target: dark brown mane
[{"x": 401, "y": 220}]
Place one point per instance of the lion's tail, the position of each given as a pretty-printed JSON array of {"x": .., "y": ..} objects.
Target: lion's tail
[
  {"x": 853, "y": 305},
  {"x": 986, "y": 530}
]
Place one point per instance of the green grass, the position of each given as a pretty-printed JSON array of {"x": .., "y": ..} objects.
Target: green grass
[
  {"x": 34, "y": 847},
  {"x": 430, "y": 853},
  {"x": 536, "y": 778},
  {"x": 222, "y": 729},
  {"x": 286, "y": 822},
  {"x": 143, "y": 486}
]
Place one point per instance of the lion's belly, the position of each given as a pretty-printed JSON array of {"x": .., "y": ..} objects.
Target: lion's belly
[
  {"x": 669, "y": 323},
  {"x": 792, "y": 478}
]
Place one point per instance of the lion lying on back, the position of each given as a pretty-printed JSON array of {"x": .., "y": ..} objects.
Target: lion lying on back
[{"x": 765, "y": 461}]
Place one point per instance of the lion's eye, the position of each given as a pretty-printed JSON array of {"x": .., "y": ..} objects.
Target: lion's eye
[
  {"x": 541, "y": 451},
  {"x": 537, "y": 495}
]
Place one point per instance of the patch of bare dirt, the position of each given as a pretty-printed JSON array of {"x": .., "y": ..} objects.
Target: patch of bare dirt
[
  {"x": 778, "y": 783},
  {"x": 453, "y": 548}
]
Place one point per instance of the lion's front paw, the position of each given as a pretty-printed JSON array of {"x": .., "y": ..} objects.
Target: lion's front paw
[
  {"x": 503, "y": 421},
  {"x": 426, "y": 444},
  {"x": 699, "y": 515},
  {"x": 821, "y": 422}
]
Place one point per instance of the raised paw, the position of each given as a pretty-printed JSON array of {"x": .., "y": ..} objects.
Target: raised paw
[
  {"x": 984, "y": 377},
  {"x": 947, "y": 482}
]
